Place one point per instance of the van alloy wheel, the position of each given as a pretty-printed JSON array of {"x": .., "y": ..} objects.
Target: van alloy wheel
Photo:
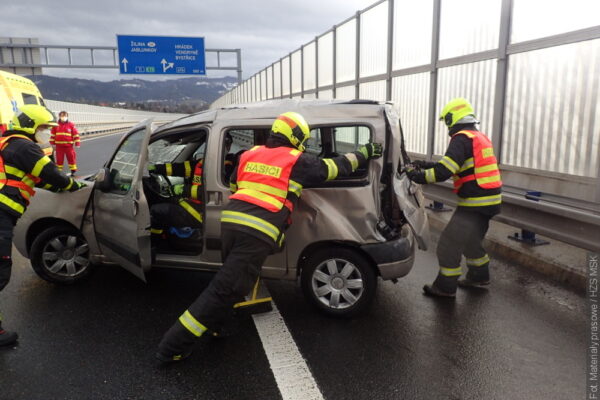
[
  {"x": 66, "y": 255},
  {"x": 337, "y": 283},
  {"x": 60, "y": 254}
]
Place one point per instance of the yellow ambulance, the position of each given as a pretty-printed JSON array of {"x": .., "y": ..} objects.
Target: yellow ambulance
[{"x": 15, "y": 91}]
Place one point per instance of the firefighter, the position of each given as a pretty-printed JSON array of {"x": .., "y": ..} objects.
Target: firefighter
[
  {"x": 471, "y": 163},
  {"x": 266, "y": 186},
  {"x": 186, "y": 211},
  {"x": 65, "y": 138},
  {"x": 23, "y": 166}
]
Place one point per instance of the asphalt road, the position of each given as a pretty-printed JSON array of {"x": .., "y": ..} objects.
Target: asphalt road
[{"x": 521, "y": 339}]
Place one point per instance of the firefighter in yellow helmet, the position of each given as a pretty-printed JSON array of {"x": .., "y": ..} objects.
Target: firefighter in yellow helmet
[
  {"x": 471, "y": 163},
  {"x": 266, "y": 184},
  {"x": 24, "y": 166}
]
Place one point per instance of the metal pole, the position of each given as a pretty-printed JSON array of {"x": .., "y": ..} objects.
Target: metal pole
[
  {"x": 290, "y": 74},
  {"x": 281, "y": 78},
  {"x": 390, "y": 50},
  {"x": 302, "y": 71},
  {"x": 501, "y": 77},
  {"x": 92, "y": 54},
  {"x": 46, "y": 55},
  {"x": 435, "y": 47},
  {"x": 69, "y": 52},
  {"x": 239, "y": 65},
  {"x": 316, "y": 67},
  {"x": 357, "y": 59},
  {"x": 333, "y": 88}
]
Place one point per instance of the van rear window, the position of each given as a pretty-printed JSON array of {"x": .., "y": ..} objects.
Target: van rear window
[{"x": 29, "y": 99}]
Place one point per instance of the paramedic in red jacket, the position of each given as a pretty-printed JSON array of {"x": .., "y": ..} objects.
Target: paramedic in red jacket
[{"x": 65, "y": 138}]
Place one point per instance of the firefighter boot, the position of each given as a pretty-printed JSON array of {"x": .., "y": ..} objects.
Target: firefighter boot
[
  {"x": 477, "y": 277},
  {"x": 443, "y": 286},
  {"x": 176, "y": 345},
  {"x": 7, "y": 337}
]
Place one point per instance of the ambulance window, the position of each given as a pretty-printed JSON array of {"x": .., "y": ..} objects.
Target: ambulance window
[{"x": 29, "y": 98}]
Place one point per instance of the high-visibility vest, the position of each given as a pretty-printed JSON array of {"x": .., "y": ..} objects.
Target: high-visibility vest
[
  {"x": 25, "y": 182},
  {"x": 263, "y": 177},
  {"x": 484, "y": 163}
]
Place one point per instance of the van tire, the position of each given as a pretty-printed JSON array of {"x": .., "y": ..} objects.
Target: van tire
[
  {"x": 68, "y": 247},
  {"x": 342, "y": 276}
]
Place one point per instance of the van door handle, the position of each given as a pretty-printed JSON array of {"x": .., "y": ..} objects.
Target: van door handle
[{"x": 215, "y": 198}]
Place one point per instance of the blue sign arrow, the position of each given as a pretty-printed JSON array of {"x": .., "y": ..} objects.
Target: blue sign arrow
[{"x": 161, "y": 55}]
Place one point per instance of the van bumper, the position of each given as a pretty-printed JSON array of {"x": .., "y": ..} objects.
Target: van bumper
[{"x": 395, "y": 258}]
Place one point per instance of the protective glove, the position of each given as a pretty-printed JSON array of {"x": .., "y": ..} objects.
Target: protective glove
[
  {"x": 371, "y": 150},
  {"x": 76, "y": 186},
  {"x": 411, "y": 173},
  {"x": 178, "y": 189},
  {"x": 423, "y": 164},
  {"x": 151, "y": 167}
]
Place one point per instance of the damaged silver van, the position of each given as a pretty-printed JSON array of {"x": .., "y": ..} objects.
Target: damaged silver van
[{"x": 346, "y": 234}]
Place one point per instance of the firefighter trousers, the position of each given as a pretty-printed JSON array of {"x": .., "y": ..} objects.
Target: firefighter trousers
[
  {"x": 463, "y": 235},
  {"x": 243, "y": 257},
  {"x": 69, "y": 152},
  {"x": 7, "y": 224}
]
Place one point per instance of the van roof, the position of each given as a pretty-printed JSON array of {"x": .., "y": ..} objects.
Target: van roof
[
  {"x": 20, "y": 81},
  {"x": 312, "y": 110}
]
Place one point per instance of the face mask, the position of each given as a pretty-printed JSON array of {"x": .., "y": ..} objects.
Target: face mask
[
  {"x": 42, "y": 136},
  {"x": 64, "y": 119}
]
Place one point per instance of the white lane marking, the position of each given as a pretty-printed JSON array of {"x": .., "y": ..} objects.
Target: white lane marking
[
  {"x": 291, "y": 372},
  {"x": 84, "y": 139}
]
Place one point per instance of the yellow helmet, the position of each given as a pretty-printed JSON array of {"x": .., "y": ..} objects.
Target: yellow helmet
[
  {"x": 30, "y": 117},
  {"x": 293, "y": 126},
  {"x": 455, "y": 110}
]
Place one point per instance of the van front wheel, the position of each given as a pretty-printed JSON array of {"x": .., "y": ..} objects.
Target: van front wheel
[
  {"x": 60, "y": 254},
  {"x": 340, "y": 282}
]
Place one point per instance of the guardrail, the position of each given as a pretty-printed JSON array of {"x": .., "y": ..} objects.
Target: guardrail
[
  {"x": 91, "y": 119},
  {"x": 578, "y": 226}
]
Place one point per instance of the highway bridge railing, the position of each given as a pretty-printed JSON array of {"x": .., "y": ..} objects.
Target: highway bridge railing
[
  {"x": 91, "y": 119},
  {"x": 535, "y": 87}
]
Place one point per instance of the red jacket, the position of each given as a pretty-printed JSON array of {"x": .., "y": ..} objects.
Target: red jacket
[{"x": 65, "y": 134}]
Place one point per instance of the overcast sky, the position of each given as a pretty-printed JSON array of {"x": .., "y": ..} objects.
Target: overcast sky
[{"x": 265, "y": 30}]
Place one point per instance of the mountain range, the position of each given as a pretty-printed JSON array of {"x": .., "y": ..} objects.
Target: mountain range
[{"x": 173, "y": 95}]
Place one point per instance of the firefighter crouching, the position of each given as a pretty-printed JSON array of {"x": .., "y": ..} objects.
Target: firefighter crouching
[
  {"x": 23, "y": 166},
  {"x": 471, "y": 163},
  {"x": 266, "y": 186}
]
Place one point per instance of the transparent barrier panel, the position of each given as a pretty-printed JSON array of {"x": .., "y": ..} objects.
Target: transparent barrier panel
[
  {"x": 277, "y": 79},
  {"x": 325, "y": 59},
  {"x": 413, "y": 24},
  {"x": 373, "y": 40},
  {"x": 296, "y": 71},
  {"x": 345, "y": 68},
  {"x": 285, "y": 80},
  {"x": 552, "y": 117},
  {"x": 477, "y": 83},
  {"x": 410, "y": 95},
  {"x": 372, "y": 91},
  {"x": 310, "y": 68},
  {"x": 469, "y": 26},
  {"x": 552, "y": 17},
  {"x": 345, "y": 92}
]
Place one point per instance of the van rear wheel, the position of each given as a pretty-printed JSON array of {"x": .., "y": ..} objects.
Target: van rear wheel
[
  {"x": 60, "y": 254},
  {"x": 339, "y": 281}
]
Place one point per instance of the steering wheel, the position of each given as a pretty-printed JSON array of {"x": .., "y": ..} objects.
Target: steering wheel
[{"x": 160, "y": 186}]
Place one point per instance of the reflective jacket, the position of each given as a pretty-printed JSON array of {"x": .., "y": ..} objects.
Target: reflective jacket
[
  {"x": 65, "y": 134},
  {"x": 23, "y": 166},
  {"x": 263, "y": 177},
  {"x": 268, "y": 218},
  {"x": 478, "y": 190}
]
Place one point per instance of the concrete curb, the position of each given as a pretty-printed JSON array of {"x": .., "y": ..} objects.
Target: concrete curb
[{"x": 560, "y": 262}]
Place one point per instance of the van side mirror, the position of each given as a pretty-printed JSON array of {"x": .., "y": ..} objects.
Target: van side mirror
[{"x": 102, "y": 180}]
